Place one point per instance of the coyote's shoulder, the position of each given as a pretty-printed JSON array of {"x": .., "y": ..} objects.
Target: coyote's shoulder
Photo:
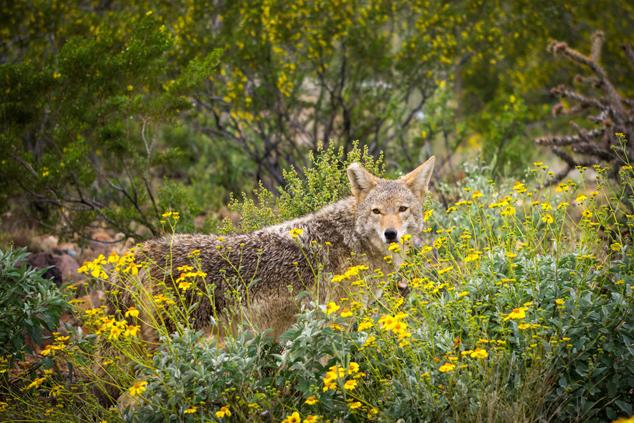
[{"x": 268, "y": 267}]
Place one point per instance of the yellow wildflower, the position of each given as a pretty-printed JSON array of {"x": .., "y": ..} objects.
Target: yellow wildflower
[
  {"x": 371, "y": 340},
  {"x": 36, "y": 383},
  {"x": 616, "y": 247},
  {"x": 559, "y": 301},
  {"x": 138, "y": 388},
  {"x": 331, "y": 307},
  {"x": 296, "y": 232},
  {"x": 184, "y": 285},
  {"x": 311, "y": 419},
  {"x": 562, "y": 205},
  {"x": 394, "y": 247},
  {"x": 350, "y": 385},
  {"x": 472, "y": 256},
  {"x": 191, "y": 410},
  {"x": 447, "y": 367},
  {"x": 311, "y": 400},
  {"x": 517, "y": 314},
  {"x": 223, "y": 412},
  {"x": 131, "y": 331},
  {"x": 479, "y": 353},
  {"x": 445, "y": 270},
  {"x": 132, "y": 312},
  {"x": 387, "y": 322},
  {"x": 519, "y": 187},
  {"x": 293, "y": 418},
  {"x": 366, "y": 323},
  {"x": 354, "y": 405},
  {"x": 508, "y": 211},
  {"x": 547, "y": 218},
  {"x": 338, "y": 278}
]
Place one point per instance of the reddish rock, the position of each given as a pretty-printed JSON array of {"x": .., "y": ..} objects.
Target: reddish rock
[{"x": 67, "y": 267}]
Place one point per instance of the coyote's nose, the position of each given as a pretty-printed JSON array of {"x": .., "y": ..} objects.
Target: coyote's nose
[{"x": 390, "y": 235}]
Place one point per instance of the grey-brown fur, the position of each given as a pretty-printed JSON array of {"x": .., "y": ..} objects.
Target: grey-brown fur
[{"x": 275, "y": 266}]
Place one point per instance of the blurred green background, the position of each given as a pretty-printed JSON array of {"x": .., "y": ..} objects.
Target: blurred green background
[{"x": 115, "y": 111}]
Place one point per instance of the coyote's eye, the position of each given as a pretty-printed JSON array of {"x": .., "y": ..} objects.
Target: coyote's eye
[
  {"x": 402, "y": 209},
  {"x": 376, "y": 211}
]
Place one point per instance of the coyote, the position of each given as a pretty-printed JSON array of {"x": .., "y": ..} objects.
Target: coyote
[{"x": 264, "y": 270}]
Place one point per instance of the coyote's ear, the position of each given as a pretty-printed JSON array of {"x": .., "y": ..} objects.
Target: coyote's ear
[
  {"x": 361, "y": 181},
  {"x": 418, "y": 179}
]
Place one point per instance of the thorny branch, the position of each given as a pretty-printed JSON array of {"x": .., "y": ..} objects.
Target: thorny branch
[{"x": 602, "y": 105}]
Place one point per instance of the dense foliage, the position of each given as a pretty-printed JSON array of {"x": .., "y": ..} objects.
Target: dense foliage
[
  {"x": 518, "y": 309},
  {"x": 115, "y": 111},
  {"x": 30, "y": 305}
]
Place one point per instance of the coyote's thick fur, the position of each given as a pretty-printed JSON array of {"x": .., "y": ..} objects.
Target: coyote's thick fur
[{"x": 267, "y": 268}]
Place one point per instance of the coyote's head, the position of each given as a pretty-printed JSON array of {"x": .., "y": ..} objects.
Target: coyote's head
[{"x": 389, "y": 209}]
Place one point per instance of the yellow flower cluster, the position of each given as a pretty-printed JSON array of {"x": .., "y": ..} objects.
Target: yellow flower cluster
[
  {"x": 223, "y": 412},
  {"x": 94, "y": 268},
  {"x": 122, "y": 264},
  {"x": 519, "y": 187},
  {"x": 350, "y": 273},
  {"x": 114, "y": 329},
  {"x": 396, "y": 325},
  {"x": 173, "y": 215},
  {"x": 337, "y": 373},
  {"x": 295, "y": 417},
  {"x": 125, "y": 263},
  {"x": 188, "y": 276},
  {"x": 447, "y": 367},
  {"x": 504, "y": 202},
  {"x": 161, "y": 299},
  {"x": 59, "y": 344},
  {"x": 473, "y": 255}
]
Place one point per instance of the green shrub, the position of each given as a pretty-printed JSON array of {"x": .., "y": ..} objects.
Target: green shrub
[
  {"x": 81, "y": 126},
  {"x": 30, "y": 305},
  {"x": 322, "y": 182}
]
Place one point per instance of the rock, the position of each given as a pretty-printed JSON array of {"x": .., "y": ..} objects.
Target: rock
[
  {"x": 68, "y": 248},
  {"x": 43, "y": 260},
  {"x": 101, "y": 235},
  {"x": 44, "y": 243},
  {"x": 67, "y": 267}
]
